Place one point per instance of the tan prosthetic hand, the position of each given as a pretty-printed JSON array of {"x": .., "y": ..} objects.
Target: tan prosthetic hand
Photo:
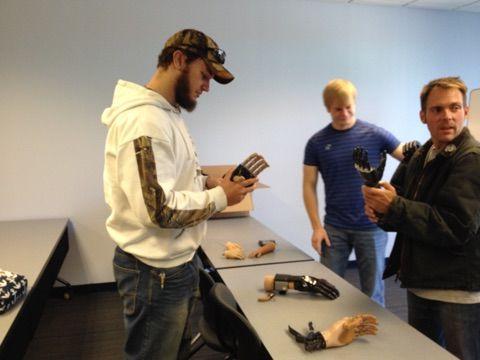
[
  {"x": 233, "y": 251},
  {"x": 340, "y": 333},
  {"x": 266, "y": 247},
  {"x": 345, "y": 330}
]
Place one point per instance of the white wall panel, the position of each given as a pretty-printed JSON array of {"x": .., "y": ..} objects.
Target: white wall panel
[{"x": 60, "y": 60}]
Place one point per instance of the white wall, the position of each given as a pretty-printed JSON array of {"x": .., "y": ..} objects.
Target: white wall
[{"x": 60, "y": 60}]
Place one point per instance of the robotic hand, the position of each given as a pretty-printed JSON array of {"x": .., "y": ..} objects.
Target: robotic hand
[
  {"x": 283, "y": 282},
  {"x": 370, "y": 175},
  {"x": 409, "y": 149},
  {"x": 251, "y": 167},
  {"x": 340, "y": 333}
]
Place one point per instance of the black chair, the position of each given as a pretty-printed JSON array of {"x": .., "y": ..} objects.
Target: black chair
[
  {"x": 234, "y": 330},
  {"x": 208, "y": 322}
]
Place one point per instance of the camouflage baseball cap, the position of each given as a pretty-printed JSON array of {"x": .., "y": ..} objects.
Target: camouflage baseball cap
[{"x": 202, "y": 45}]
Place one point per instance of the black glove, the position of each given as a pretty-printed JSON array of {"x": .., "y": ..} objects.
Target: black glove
[
  {"x": 306, "y": 283},
  {"x": 370, "y": 175},
  {"x": 409, "y": 149}
]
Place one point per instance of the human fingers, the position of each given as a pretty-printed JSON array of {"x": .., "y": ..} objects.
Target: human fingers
[
  {"x": 326, "y": 240},
  {"x": 228, "y": 174},
  {"x": 387, "y": 186},
  {"x": 371, "y": 215},
  {"x": 248, "y": 182}
]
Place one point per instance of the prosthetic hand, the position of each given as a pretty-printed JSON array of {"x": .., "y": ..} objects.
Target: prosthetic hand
[
  {"x": 341, "y": 333},
  {"x": 370, "y": 175},
  {"x": 283, "y": 282},
  {"x": 251, "y": 167},
  {"x": 408, "y": 149},
  {"x": 233, "y": 251},
  {"x": 266, "y": 247}
]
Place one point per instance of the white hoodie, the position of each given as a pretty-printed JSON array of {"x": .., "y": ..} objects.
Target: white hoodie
[{"x": 152, "y": 179}]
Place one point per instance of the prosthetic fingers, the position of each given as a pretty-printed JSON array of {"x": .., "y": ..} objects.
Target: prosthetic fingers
[
  {"x": 370, "y": 175},
  {"x": 251, "y": 167},
  {"x": 233, "y": 251},
  {"x": 409, "y": 148},
  {"x": 306, "y": 283},
  {"x": 340, "y": 333}
]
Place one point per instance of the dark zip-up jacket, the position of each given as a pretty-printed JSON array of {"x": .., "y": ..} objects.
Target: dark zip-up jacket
[{"x": 437, "y": 218}]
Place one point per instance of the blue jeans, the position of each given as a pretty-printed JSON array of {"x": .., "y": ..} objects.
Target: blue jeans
[
  {"x": 156, "y": 307},
  {"x": 369, "y": 246},
  {"x": 456, "y": 327}
]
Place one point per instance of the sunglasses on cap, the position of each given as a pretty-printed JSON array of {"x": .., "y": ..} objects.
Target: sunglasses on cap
[{"x": 217, "y": 54}]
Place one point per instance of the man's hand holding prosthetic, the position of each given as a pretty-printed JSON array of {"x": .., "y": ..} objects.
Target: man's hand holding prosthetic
[
  {"x": 370, "y": 175},
  {"x": 282, "y": 283}
]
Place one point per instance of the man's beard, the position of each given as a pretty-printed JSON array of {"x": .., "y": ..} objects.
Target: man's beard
[{"x": 182, "y": 92}]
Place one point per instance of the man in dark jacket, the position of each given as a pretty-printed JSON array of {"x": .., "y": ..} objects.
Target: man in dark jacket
[{"x": 433, "y": 204}]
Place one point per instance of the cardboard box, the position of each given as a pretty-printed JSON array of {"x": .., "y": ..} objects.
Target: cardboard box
[{"x": 244, "y": 207}]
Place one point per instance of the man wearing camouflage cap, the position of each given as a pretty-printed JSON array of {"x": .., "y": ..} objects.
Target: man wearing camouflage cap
[{"x": 159, "y": 198}]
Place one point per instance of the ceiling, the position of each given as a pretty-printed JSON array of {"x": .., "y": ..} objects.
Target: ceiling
[{"x": 449, "y": 5}]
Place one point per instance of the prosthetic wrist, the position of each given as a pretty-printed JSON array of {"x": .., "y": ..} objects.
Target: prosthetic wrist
[
  {"x": 282, "y": 282},
  {"x": 313, "y": 340}
]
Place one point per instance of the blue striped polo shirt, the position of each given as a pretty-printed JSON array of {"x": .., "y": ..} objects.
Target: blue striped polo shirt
[{"x": 331, "y": 151}]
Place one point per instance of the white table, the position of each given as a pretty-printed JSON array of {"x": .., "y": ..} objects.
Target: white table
[
  {"x": 246, "y": 231},
  {"x": 35, "y": 249},
  {"x": 395, "y": 338}
]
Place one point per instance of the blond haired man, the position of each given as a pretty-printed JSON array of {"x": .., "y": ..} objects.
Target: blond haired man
[
  {"x": 432, "y": 203},
  {"x": 346, "y": 227}
]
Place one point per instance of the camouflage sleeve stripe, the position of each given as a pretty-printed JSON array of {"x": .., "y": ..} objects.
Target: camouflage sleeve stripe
[{"x": 154, "y": 196}]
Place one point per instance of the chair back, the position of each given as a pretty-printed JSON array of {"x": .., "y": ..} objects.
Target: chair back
[
  {"x": 233, "y": 329},
  {"x": 206, "y": 283}
]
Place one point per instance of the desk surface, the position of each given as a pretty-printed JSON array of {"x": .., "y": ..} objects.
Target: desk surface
[
  {"x": 395, "y": 339},
  {"x": 25, "y": 248},
  {"x": 246, "y": 231}
]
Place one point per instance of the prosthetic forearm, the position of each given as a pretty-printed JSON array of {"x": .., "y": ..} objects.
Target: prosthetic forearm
[{"x": 283, "y": 282}]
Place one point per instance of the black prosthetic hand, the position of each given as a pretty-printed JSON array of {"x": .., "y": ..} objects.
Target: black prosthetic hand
[
  {"x": 251, "y": 167},
  {"x": 305, "y": 283},
  {"x": 370, "y": 175},
  {"x": 313, "y": 340},
  {"x": 408, "y": 149}
]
